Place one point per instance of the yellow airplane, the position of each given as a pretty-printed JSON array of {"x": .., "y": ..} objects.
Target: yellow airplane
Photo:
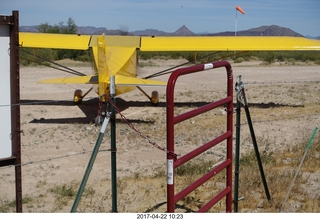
[{"x": 117, "y": 55}]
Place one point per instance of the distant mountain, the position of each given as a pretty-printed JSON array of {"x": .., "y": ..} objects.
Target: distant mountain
[
  {"x": 149, "y": 32},
  {"x": 272, "y": 30},
  {"x": 91, "y": 30},
  {"x": 183, "y": 31},
  {"x": 317, "y": 38},
  {"x": 29, "y": 28}
]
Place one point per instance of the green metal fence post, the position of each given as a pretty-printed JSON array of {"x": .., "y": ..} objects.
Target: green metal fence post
[
  {"x": 255, "y": 145},
  {"x": 113, "y": 147},
  {"x": 90, "y": 164}
]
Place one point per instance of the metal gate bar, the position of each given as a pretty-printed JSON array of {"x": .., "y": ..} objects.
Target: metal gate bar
[{"x": 173, "y": 163}]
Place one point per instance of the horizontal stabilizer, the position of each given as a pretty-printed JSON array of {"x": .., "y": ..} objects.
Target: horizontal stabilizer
[
  {"x": 72, "y": 80},
  {"x": 131, "y": 81},
  {"x": 119, "y": 80}
]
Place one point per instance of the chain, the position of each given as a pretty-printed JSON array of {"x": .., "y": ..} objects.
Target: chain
[{"x": 139, "y": 133}]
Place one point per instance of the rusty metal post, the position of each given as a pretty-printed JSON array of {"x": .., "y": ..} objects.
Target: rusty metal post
[{"x": 15, "y": 108}]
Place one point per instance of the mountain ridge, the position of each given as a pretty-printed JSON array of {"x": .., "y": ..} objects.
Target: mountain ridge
[{"x": 271, "y": 30}]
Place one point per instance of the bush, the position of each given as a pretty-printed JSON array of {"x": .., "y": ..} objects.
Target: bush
[
  {"x": 269, "y": 57},
  {"x": 239, "y": 60}
]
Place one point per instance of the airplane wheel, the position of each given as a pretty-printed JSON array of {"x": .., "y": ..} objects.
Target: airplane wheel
[
  {"x": 77, "y": 97},
  {"x": 155, "y": 98},
  {"x": 98, "y": 120}
]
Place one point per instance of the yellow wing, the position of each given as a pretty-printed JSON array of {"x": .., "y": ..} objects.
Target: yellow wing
[
  {"x": 201, "y": 43},
  {"x": 55, "y": 41},
  {"x": 116, "y": 55},
  {"x": 227, "y": 43}
]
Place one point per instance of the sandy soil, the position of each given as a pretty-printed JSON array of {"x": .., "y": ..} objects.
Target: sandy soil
[{"x": 58, "y": 136}]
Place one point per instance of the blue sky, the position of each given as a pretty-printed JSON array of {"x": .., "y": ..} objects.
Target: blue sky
[{"x": 302, "y": 16}]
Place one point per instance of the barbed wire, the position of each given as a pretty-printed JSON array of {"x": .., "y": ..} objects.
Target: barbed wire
[
  {"x": 284, "y": 82},
  {"x": 280, "y": 119},
  {"x": 43, "y": 102},
  {"x": 140, "y": 134},
  {"x": 89, "y": 98},
  {"x": 129, "y": 124},
  {"x": 50, "y": 159}
]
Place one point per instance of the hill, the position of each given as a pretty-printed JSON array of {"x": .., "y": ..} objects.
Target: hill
[{"x": 272, "y": 30}]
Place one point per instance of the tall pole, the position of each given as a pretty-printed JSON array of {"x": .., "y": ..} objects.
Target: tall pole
[
  {"x": 235, "y": 31},
  {"x": 238, "y": 8},
  {"x": 236, "y": 24},
  {"x": 113, "y": 147}
]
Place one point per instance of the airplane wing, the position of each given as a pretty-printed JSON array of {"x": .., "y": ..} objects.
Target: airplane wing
[
  {"x": 116, "y": 55},
  {"x": 54, "y": 41},
  {"x": 231, "y": 43}
]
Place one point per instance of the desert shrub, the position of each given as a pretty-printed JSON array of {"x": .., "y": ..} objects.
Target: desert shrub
[
  {"x": 268, "y": 57},
  {"x": 239, "y": 60},
  {"x": 291, "y": 61}
]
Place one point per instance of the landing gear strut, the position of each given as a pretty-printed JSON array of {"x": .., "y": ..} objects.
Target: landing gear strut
[
  {"x": 78, "y": 97},
  {"x": 154, "y": 96}
]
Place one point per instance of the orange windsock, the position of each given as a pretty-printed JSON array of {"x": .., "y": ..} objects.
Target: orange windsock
[{"x": 240, "y": 9}]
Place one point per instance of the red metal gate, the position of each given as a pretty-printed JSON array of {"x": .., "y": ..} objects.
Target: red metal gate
[{"x": 173, "y": 162}]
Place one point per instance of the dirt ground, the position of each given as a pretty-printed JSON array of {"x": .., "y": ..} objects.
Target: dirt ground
[{"x": 58, "y": 136}]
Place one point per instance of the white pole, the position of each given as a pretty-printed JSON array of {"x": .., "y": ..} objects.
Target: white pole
[
  {"x": 235, "y": 32},
  {"x": 235, "y": 29}
]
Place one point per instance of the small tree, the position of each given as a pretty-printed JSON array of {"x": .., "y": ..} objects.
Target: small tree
[{"x": 69, "y": 28}]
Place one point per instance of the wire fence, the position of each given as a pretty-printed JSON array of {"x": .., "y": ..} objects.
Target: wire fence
[
  {"x": 43, "y": 102},
  {"x": 142, "y": 136},
  {"x": 136, "y": 130},
  {"x": 50, "y": 159}
]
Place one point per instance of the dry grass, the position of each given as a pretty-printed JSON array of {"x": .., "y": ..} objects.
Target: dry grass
[{"x": 149, "y": 191}]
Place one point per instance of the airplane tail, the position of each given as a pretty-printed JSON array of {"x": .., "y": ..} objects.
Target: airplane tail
[
  {"x": 114, "y": 61},
  {"x": 119, "y": 61}
]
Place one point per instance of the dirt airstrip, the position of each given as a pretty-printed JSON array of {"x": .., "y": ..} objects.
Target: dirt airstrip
[{"x": 58, "y": 136}]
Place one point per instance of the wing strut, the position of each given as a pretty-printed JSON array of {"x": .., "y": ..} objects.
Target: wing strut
[
  {"x": 69, "y": 70},
  {"x": 141, "y": 90},
  {"x": 154, "y": 98}
]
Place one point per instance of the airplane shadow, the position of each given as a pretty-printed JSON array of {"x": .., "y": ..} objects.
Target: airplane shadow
[{"x": 90, "y": 109}]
